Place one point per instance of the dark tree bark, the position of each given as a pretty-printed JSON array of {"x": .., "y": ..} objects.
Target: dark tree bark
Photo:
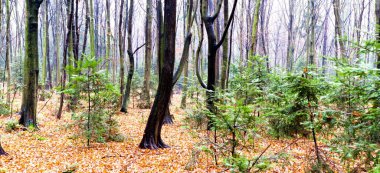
[
  {"x": 2, "y": 151},
  {"x": 131, "y": 59},
  {"x": 152, "y": 134},
  {"x": 86, "y": 28},
  {"x": 67, "y": 42},
  {"x": 29, "y": 96},
  {"x": 213, "y": 47}
]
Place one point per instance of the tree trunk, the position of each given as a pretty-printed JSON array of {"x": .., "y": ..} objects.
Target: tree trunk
[
  {"x": 311, "y": 47},
  {"x": 290, "y": 50},
  {"x": 121, "y": 48},
  {"x": 2, "y": 151},
  {"x": 65, "y": 49},
  {"x": 7, "y": 52},
  {"x": 131, "y": 60},
  {"x": 213, "y": 46},
  {"x": 255, "y": 27},
  {"x": 148, "y": 55},
  {"x": 29, "y": 97},
  {"x": 338, "y": 28},
  {"x": 377, "y": 12},
  {"x": 225, "y": 49},
  {"x": 152, "y": 134},
  {"x": 86, "y": 28},
  {"x": 108, "y": 44}
]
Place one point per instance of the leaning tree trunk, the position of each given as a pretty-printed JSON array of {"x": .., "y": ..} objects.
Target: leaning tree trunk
[
  {"x": 29, "y": 96},
  {"x": 152, "y": 134}
]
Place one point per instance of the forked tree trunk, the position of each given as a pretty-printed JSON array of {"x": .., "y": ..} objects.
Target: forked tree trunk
[
  {"x": 213, "y": 46},
  {"x": 121, "y": 48},
  {"x": 152, "y": 134},
  {"x": 29, "y": 96}
]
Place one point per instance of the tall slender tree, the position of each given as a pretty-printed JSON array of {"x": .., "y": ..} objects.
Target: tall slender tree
[
  {"x": 148, "y": 54},
  {"x": 109, "y": 35},
  {"x": 213, "y": 46},
  {"x": 29, "y": 96},
  {"x": 291, "y": 46},
  {"x": 7, "y": 51},
  {"x": 121, "y": 48},
  {"x": 152, "y": 134},
  {"x": 225, "y": 49},
  {"x": 338, "y": 29}
]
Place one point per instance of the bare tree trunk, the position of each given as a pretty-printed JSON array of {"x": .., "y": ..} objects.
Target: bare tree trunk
[
  {"x": 338, "y": 29},
  {"x": 213, "y": 46},
  {"x": 225, "y": 49},
  {"x": 7, "y": 52},
  {"x": 148, "y": 54},
  {"x": 29, "y": 96},
  {"x": 291, "y": 47},
  {"x": 311, "y": 34},
  {"x": 65, "y": 51},
  {"x": 131, "y": 59},
  {"x": 255, "y": 27},
  {"x": 152, "y": 134},
  {"x": 109, "y": 34},
  {"x": 121, "y": 48}
]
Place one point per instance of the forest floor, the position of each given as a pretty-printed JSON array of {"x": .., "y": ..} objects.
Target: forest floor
[{"x": 51, "y": 148}]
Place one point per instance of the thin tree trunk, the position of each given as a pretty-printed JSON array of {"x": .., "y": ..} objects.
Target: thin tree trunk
[
  {"x": 338, "y": 29},
  {"x": 121, "y": 48},
  {"x": 131, "y": 59},
  {"x": 148, "y": 55},
  {"x": 65, "y": 49},
  {"x": 7, "y": 52},
  {"x": 225, "y": 48},
  {"x": 108, "y": 44},
  {"x": 290, "y": 50}
]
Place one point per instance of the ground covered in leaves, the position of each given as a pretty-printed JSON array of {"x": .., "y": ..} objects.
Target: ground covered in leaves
[{"x": 52, "y": 148}]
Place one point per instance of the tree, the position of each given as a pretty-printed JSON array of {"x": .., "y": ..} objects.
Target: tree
[
  {"x": 108, "y": 44},
  {"x": 213, "y": 47},
  {"x": 338, "y": 29},
  {"x": 29, "y": 96},
  {"x": 255, "y": 27},
  {"x": 148, "y": 54},
  {"x": 225, "y": 49},
  {"x": 291, "y": 47},
  {"x": 65, "y": 51},
  {"x": 311, "y": 34},
  {"x": 121, "y": 48},
  {"x": 46, "y": 58},
  {"x": 152, "y": 133},
  {"x": 7, "y": 52},
  {"x": 131, "y": 54}
]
